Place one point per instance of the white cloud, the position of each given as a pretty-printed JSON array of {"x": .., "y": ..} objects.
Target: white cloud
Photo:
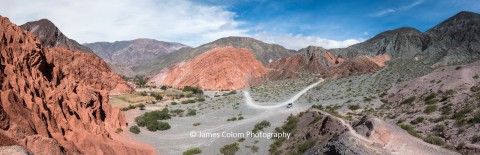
[
  {"x": 402, "y": 8},
  {"x": 365, "y": 33},
  {"x": 111, "y": 20},
  {"x": 412, "y": 5},
  {"x": 299, "y": 41},
  {"x": 182, "y": 21},
  {"x": 381, "y": 13}
]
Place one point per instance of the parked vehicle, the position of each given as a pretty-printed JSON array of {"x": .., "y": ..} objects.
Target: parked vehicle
[{"x": 290, "y": 105}]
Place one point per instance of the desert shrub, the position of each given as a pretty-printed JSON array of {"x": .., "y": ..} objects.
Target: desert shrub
[
  {"x": 129, "y": 107},
  {"x": 192, "y": 151},
  {"x": 200, "y": 99},
  {"x": 439, "y": 128},
  {"x": 240, "y": 118},
  {"x": 475, "y": 139},
  {"x": 149, "y": 119},
  {"x": 430, "y": 108},
  {"x": 188, "y": 101},
  {"x": 232, "y": 119},
  {"x": 119, "y": 130},
  {"x": 408, "y": 100},
  {"x": 367, "y": 99},
  {"x": 354, "y": 107},
  {"x": 431, "y": 101},
  {"x": 475, "y": 76},
  {"x": 176, "y": 112},
  {"x": 444, "y": 98},
  {"x": 304, "y": 146},
  {"x": 430, "y": 96},
  {"x": 241, "y": 139},
  {"x": 196, "y": 124},
  {"x": 194, "y": 90},
  {"x": 318, "y": 106},
  {"x": 187, "y": 88},
  {"x": 316, "y": 119},
  {"x": 230, "y": 149},
  {"x": 475, "y": 119},
  {"x": 230, "y": 93},
  {"x": 410, "y": 130},
  {"x": 475, "y": 88},
  {"x": 157, "y": 96},
  {"x": 156, "y": 125},
  {"x": 192, "y": 112},
  {"x": 260, "y": 126},
  {"x": 288, "y": 127},
  {"x": 143, "y": 93},
  {"x": 163, "y": 87},
  {"x": 458, "y": 67},
  {"x": 460, "y": 115},
  {"x": 141, "y": 106},
  {"x": 253, "y": 148},
  {"x": 446, "y": 110},
  {"x": 134, "y": 129},
  {"x": 432, "y": 139},
  {"x": 174, "y": 103},
  {"x": 417, "y": 120}
]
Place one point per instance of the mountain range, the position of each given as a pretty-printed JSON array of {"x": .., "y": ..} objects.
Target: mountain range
[
  {"x": 55, "y": 92},
  {"x": 454, "y": 41},
  {"x": 126, "y": 57},
  {"x": 51, "y": 36}
]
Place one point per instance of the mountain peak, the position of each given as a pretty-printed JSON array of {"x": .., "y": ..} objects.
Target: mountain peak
[
  {"x": 461, "y": 21},
  {"x": 51, "y": 36},
  {"x": 402, "y": 30}
]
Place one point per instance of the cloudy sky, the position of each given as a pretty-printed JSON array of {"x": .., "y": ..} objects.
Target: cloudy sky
[{"x": 292, "y": 23}]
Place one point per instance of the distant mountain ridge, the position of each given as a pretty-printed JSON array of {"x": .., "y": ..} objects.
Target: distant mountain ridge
[
  {"x": 454, "y": 41},
  {"x": 125, "y": 57},
  {"x": 264, "y": 52},
  {"x": 51, "y": 36}
]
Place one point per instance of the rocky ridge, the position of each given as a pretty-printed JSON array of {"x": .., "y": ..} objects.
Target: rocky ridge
[
  {"x": 320, "y": 62},
  {"x": 52, "y": 102},
  {"x": 440, "y": 107},
  {"x": 318, "y": 132},
  {"x": 263, "y": 52},
  {"x": 454, "y": 41},
  {"x": 126, "y": 57},
  {"x": 51, "y": 36},
  {"x": 225, "y": 68}
]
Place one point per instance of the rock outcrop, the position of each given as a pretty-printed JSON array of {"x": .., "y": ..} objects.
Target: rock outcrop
[
  {"x": 264, "y": 52},
  {"x": 359, "y": 65},
  {"x": 225, "y": 68},
  {"x": 320, "y": 62},
  {"x": 126, "y": 57},
  {"x": 446, "y": 100},
  {"x": 454, "y": 41},
  {"x": 317, "y": 132},
  {"x": 51, "y": 36},
  {"x": 55, "y": 101}
]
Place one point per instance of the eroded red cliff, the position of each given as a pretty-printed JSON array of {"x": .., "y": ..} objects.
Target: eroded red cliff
[
  {"x": 55, "y": 101},
  {"x": 224, "y": 68}
]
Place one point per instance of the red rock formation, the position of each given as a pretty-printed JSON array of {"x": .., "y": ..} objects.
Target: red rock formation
[
  {"x": 225, "y": 68},
  {"x": 318, "y": 61},
  {"x": 55, "y": 101},
  {"x": 157, "y": 79},
  {"x": 359, "y": 65}
]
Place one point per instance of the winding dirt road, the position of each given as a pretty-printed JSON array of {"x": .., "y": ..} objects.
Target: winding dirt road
[{"x": 249, "y": 101}]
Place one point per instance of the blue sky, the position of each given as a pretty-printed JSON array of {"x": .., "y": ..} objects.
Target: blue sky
[
  {"x": 344, "y": 19},
  {"x": 292, "y": 23}
]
